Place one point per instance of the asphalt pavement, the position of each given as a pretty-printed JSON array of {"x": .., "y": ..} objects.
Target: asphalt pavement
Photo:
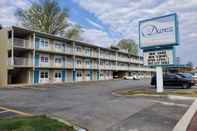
[{"x": 92, "y": 105}]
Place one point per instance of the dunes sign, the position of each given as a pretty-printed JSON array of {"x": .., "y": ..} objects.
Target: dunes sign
[{"x": 159, "y": 31}]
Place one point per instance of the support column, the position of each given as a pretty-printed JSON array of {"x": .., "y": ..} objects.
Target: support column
[
  {"x": 98, "y": 65},
  {"x": 74, "y": 62},
  {"x": 12, "y": 59},
  {"x": 159, "y": 77}
]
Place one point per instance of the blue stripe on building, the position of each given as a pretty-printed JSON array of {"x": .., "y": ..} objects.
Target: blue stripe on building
[
  {"x": 74, "y": 75},
  {"x": 37, "y": 59},
  {"x": 37, "y": 43},
  {"x": 36, "y": 75},
  {"x": 63, "y": 75}
]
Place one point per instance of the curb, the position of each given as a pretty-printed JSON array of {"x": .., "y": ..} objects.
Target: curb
[
  {"x": 16, "y": 111},
  {"x": 184, "y": 122},
  {"x": 76, "y": 127},
  {"x": 157, "y": 95}
]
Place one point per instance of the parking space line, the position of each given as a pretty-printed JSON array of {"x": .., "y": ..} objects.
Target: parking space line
[
  {"x": 170, "y": 103},
  {"x": 16, "y": 111},
  {"x": 3, "y": 112}
]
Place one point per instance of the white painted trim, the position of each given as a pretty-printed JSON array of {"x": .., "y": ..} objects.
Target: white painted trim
[
  {"x": 34, "y": 46},
  {"x": 44, "y": 63},
  {"x": 12, "y": 59},
  {"x": 184, "y": 122},
  {"x": 59, "y": 79},
  {"x": 62, "y": 60},
  {"x": 47, "y": 80}
]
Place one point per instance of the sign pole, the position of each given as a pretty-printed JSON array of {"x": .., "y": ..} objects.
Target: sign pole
[{"x": 159, "y": 76}]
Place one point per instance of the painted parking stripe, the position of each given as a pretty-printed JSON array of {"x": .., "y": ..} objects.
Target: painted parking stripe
[
  {"x": 3, "y": 112},
  {"x": 170, "y": 103},
  {"x": 16, "y": 111}
]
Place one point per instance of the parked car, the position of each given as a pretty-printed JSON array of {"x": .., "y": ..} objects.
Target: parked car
[
  {"x": 128, "y": 77},
  {"x": 194, "y": 77},
  {"x": 115, "y": 77},
  {"x": 178, "y": 80},
  {"x": 185, "y": 75},
  {"x": 134, "y": 77}
]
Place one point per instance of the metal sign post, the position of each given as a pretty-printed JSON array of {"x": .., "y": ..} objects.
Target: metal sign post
[{"x": 159, "y": 80}]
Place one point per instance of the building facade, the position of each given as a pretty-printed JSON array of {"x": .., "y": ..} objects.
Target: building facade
[{"x": 31, "y": 57}]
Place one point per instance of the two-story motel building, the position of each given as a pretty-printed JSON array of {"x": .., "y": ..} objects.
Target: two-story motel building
[{"x": 31, "y": 57}]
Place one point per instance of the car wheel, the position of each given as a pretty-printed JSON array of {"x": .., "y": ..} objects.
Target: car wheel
[{"x": 185, "y": 85}]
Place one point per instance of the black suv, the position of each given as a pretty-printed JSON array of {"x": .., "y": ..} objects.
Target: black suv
[{"x": 178, "y": 80}]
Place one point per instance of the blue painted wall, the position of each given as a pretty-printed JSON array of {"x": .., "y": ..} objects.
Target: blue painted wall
[
  {"x": 74, "y": 75},
  {"x": 37, "y": 43},
  {"x": 63, "y": 75},
  {"x": 37, "y": 55},
  {"x": 36, "y": 75}
]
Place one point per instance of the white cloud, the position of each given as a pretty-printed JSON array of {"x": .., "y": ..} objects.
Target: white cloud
[
  {"x": 123, "y": 15},
  {"x": 97, "y": 37},
  {"x": 94, "y": 24},
  {"x": 8, "y": 8}
]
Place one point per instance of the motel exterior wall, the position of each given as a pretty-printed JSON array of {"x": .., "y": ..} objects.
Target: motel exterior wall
[{"x": 31, "y": 57}]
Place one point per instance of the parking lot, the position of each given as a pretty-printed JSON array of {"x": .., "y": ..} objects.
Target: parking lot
[{"x": 92, "y": 105}]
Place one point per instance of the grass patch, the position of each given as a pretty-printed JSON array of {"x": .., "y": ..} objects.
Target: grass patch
[
  {"x": 192, "y": 93},
  {"x": 35, "y": 123}
]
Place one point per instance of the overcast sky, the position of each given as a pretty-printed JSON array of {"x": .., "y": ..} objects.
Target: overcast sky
[{"x": 106, "y": 21}]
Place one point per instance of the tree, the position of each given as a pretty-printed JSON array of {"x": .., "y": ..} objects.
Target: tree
[
  {"x": 129, "y": 45},
  {"x": 45, "y": 16},
  {"x": 73, "y": 32}
]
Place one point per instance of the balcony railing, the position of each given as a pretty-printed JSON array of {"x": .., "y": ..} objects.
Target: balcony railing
[
  {"x": 22, "y": 43},
  {"x": 79, "y": 66},
  {"x": 68, "y": 50},
  {"x": 59, "y": 50},
  {"x": 21, "y": 61},
  {"x": 69, "y": 65}
]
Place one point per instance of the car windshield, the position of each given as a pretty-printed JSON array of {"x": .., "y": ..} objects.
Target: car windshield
[{"x": 185, "y": 75}]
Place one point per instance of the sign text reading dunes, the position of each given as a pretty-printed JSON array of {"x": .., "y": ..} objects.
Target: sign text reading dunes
[{"x": 158, "y": 31}]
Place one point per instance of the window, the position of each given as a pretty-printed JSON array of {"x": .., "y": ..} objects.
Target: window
[
  {"x": 88, "y": 74},
  {"x": 107, "y": 63},
  {"x": 44, "y": 43},
  {"x": 87, "y": 62},
  {"x": 44, "y": 75},
  {"x": 44, "y": 59},
  {"x": 78, "y": 49},
  {"x": 79, "y": 74},
  {"x": 87, "y": 51},
  {"x": 79, "y": 62},
  {"x": 58, "y": 75},
  {"x": 102, "y": 63},
  {"x": 58, "y": 45},
  {"x": 58, "y": 60}
]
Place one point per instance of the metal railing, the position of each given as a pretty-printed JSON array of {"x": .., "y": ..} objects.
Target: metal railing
[
  {"x": 21, "y": 61},
  {"x": 18, "y": 42}
]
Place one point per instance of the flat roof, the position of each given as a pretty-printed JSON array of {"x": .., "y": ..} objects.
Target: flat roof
[{"x": 51, "y": 36}]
